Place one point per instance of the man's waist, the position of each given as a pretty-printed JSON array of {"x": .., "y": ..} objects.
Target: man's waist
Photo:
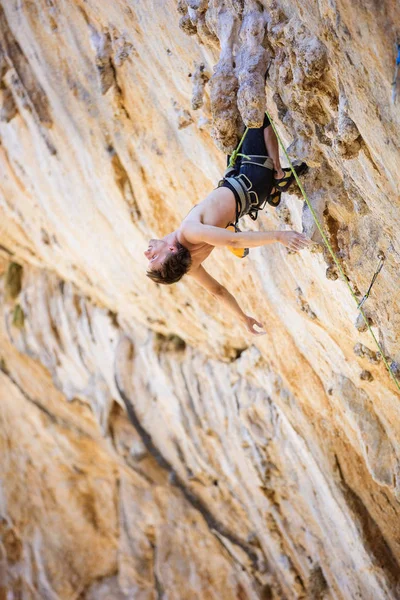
[{"x": 243, "y": 187}]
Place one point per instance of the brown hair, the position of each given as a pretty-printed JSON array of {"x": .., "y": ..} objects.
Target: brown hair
[{"x": 174, "y": 267}]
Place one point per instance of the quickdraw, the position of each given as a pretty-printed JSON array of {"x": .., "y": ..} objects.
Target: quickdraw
[{"x": 381, "y": 257}]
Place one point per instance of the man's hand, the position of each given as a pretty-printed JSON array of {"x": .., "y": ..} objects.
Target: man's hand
[
  {"x": 220, "y": 292},
  {"x": 249, "y": 323},
  {"x": 293, "y": 240}
]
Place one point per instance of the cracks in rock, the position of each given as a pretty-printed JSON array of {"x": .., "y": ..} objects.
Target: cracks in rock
[
  {"x": 6, "y": 250},
  {"x": 276, "y": 526},
  {"x": 160, "y": 591},
  {"x": 189, "y": 396},
  {"x": 3, "y": 574},
  {"x": 124, "y": 184},
  {"x": 124, "y": 450},
  {"x": 358, "y": 203},
  {"x": 332, "y": 228},
  {"x": 304, "y": 306},
  {"x": 177, "y": 481},
  {"x": 282, "y": 109},
  {"x": 347, "y": 141},
  {"x": 111, "y": 50},
  {"x": 364, "y": 352},
  {"x": 317, "y": 585},
  {"x": 88, "y": 321},
  {"x": 54, "y": 329},
  {"x": 232, "y": 556},
  {"x": 101, "y": 43},
  {"x": 13, "y": 280},
  {"x": 337, "y": 235},
  {"x": 318, "y": 202},
  {"x": 321, "y": 136},
  {"x": 184, "y": 118},
  {"x": 168, "y": 343},
  {"x": 33, "y": 91},
  {"x": 8, "y": 107},
  {"x": 106, "y": 64},
  {"x": 101, "y": 579},
  {"x": 373, "y": 538},
  {"x": 375, "y": 444},
  {"x": 11, "y": 544},
  {"x": 53, "y": 418},
  {"x": 369, "y": 157},
  {"x": 18, "y": 80}
]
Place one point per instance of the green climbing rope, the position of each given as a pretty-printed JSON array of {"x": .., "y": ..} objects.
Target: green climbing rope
[
  {"x": 327, "y": 244},
  {"x": 235, "y": 153}
]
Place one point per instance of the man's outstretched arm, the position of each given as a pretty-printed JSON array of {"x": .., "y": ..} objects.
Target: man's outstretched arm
[
  {"x": 225, "y": 297},
  {"x": 196, "y": 232}
]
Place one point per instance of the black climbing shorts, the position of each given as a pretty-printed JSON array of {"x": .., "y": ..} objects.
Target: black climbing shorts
[{"x": 251, "y": 179}]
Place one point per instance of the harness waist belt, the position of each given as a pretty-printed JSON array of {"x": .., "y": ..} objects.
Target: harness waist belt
[
  {"x": 266, "y": 161},
  {"x": 247, "y": 198}
]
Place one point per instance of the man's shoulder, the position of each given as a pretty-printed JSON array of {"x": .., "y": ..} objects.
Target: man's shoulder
[{"x": 188, "y": 230}]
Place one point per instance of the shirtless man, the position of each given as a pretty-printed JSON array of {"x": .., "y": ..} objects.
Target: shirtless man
[{"x": 244, "y": 190}]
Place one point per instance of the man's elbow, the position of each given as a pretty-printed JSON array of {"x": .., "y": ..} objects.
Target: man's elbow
[
  {"x": 235, "y": 242},
  {"x": 219, "y": 291}
]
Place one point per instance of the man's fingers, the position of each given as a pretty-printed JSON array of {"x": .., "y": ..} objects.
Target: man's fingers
[
  {"x": 302, "y": 239},
  {"x": 296, "y": 241},
  {"x": 298, "y": 244}
]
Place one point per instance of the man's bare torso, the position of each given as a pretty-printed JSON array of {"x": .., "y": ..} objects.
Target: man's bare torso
[{"x": 217, "y": 209}]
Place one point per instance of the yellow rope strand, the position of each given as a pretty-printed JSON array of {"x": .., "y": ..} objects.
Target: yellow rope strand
[{"x": 331, "y": 251}]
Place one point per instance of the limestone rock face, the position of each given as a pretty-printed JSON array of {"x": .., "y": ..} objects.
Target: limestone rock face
[{"x": 149, "y": 448}]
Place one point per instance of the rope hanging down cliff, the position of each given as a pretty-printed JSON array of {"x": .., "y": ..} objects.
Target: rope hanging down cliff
[{"x": 232, "y": 161}]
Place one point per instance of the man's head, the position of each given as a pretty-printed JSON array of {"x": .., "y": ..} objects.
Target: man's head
[{"x": 168, "y": 262}]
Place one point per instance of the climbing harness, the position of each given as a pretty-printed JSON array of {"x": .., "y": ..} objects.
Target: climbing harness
[
  {"x": 250, "y": 202},
  {"x": 332, "y": 253},
  {"x": 381, "y": 257},
  {"x": 243, "y": 187},
  {"x": 395, "y": 83}
]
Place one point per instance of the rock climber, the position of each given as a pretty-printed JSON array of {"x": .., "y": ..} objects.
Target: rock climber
[{"x": 256, "y": 178}]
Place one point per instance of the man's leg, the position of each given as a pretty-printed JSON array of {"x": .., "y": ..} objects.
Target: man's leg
[
  {"x": 271, "y": 143},
  {"x": 260, "y": 175}
]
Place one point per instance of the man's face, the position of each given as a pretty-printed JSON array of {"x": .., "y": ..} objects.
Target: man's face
[{"x": 156, "y": 253}]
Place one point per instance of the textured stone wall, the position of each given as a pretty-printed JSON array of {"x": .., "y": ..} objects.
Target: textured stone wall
[{"x": 149, "y": 447}]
